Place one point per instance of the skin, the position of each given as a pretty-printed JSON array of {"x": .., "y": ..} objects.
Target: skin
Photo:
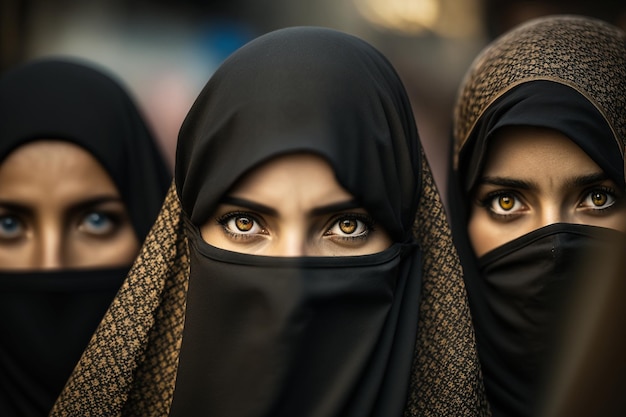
[
  {"x": 319, "y": 217},
  {"x": 60, "y": 209},
  {"x": 535, "y": 177}
]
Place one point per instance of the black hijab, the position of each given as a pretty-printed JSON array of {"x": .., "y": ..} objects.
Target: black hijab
[
  {"x": 563, "y": 73},
  {"x": 49, "y": 317},
  {"x": 74, "y": 101},
  {"x": 200, "y": 330}
]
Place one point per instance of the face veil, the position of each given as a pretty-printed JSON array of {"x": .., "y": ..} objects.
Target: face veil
[
  {"x": 49, "y": 316},
  {"x": 292, "y": 91},
  {"x": 563, "y": 73}
]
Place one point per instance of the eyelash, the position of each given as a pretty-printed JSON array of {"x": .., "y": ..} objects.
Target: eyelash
[
  {"x": 367, "y": 220},
  {"x": 605, "y": 190},
  {"x": 224, "y": 219},
  {"x": 487, "y": 201},
  {"x": 110, "y": 215}
]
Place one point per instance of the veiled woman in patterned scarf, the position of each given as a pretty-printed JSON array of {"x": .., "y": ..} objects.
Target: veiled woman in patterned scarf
[
  {"x": 301, "y": 264},
  {"x": 537, "y": 183}
]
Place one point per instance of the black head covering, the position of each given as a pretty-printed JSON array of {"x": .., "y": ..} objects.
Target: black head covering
[
  {"x": 48, "y": 317},
  {"x": 323, "y": 335},
  {"x": 74, "y": 101},
  {"x": 277, "y": 95},
  {"x": 566, "y": 73}
]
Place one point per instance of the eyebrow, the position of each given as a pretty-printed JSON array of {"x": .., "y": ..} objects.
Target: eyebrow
[
  {"x": 252, "y": 205},
  {"x": 334, "y": 207},
  {"x": 579, "y": 181},
  {"x": 262, "y": 208},
  {"x": 11, "y": 206},
  {"x": 584, "y": 180},
  {"x": 507, "y": 182},
  {"x": 96, "y": 201}
]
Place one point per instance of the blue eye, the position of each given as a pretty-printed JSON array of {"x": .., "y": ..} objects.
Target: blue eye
[
  {"x": 97, "y": 223},
  {"x": 11, "y": 227}
]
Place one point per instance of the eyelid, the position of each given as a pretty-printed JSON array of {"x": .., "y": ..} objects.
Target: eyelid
[
  {"x": 115, "y": 218},
  {"x": 363, "y": 217},
  {"x": 488, "y": 200},
  {"x": 606, "y": 189},
  {"x": 223, "y": 220},
  {"x": 23, "y": 225}
]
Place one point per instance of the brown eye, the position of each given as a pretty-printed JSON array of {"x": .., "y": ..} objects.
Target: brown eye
[
  {"x": 244, "y": 224},
  {"x": 348, "y": 226},
  {"x": 506, "y": 202},
  {"x": 599, "y": 198},
  {"x": 240, "y": 225}
]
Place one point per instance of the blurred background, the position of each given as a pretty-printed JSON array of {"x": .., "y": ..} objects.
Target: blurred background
[{"x": 165, "y": 51}]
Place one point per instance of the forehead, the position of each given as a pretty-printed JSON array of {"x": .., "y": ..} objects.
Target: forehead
[
  {"x": 51, "y": 170},
  {"x": 537, "y": 152},
  {"x": 296, "y": 177}
]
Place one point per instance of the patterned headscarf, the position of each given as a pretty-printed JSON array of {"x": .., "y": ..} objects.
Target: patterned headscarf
[
  {"x": 130, "y": 365},
  {"x": 566, "y": 73}
]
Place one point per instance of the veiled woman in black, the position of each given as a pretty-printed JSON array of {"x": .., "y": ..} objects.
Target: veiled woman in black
[
  {"x": 301, "y": 264},
  {"x": 537, "y": 184},
  {"x": 81, "y": 182}
]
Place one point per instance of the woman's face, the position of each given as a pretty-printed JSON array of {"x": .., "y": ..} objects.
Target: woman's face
[
  {"x": 534, "y": 177},
  {"x": 60, "y": 209},
  {"x": 293, "y": 206}
]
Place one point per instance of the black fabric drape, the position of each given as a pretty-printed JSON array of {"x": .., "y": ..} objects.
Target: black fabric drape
[
  {"x": 562, "y": 73},
  {"x": 77, "y": 102},
  {"x": 49, "y": 317},
  {"x": 310, "y": 90},
  {"x": 317, "y": 91}
]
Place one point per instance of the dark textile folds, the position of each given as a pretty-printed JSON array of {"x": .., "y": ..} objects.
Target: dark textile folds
[
  {"x": 222, "y": 333},
  {"x": 566, "y": 73},
  {"x": 49, "y": 317}
]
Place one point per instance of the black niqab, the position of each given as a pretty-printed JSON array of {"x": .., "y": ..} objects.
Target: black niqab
[
  {"x": 565, "y": 73},
  {"x": 332, "y": 336},
  {"x": 49, "y": 317}
]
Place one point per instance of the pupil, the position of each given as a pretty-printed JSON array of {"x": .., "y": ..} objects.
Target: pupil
[
  {"x": 244, "y": 224},
  {"x": 506, "y": 203},
  {"x": 95, "y": 218},
  {"x": 599, "y": 199},
  {"x": 9, "y": 224},
  {"x": 347, "y": 226}
]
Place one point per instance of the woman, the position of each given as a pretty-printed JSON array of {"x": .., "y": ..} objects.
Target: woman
[
  {"x": 81, "y": 182},
  {"x": 537, "y": 181},
  {"x": 293, "y": 221}
]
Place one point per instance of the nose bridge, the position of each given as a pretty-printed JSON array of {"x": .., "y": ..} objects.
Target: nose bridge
[
  {"x": 292, "y": 239},
  {"x": 50, "y": 245},
  {"x": 293, "y": 243},
  {"x": 553, "y": 211}
]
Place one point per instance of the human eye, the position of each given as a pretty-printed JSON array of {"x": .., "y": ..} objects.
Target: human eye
[
  {"x": 242, "y": 225},
  {"x": 11, "y": 227},
  {"x": 350, "y": 226},
  {"x": 503, "y": 204},
  {"x": 599, "y": 199},
  {"x": 98, "y": 223}
]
